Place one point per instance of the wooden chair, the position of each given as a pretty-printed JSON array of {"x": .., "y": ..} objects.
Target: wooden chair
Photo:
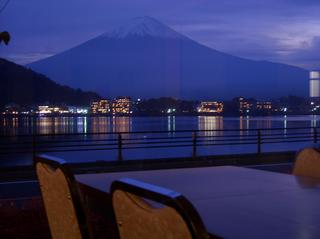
[
  {"x": 137, "y": 218},
  {"x": 62, "y": 199},
  {"x": 307, "y": 163}
]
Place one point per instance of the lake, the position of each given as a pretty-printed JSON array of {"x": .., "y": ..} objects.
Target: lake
[{"x": 170, "y": 124}]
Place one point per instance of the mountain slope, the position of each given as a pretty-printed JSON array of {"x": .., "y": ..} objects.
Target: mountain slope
[
  {"x": 148, "y": 59},
  {"x": 26, "y": 87}
]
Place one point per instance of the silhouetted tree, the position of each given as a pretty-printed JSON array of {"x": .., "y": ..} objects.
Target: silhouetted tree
[{"x": 5, "y": 37}]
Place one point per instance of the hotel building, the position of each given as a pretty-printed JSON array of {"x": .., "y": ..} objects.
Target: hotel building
[
  {"x": 210, "y": 107},
  {"x": 100, "y": 107},
  {"x": 122, "y": 106}
]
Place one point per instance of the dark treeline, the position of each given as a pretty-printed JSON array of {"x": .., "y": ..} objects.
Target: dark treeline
[
  {"x": 165, "y": 105},
  {"x": 283, "y": 105},
  {"x": 25, "y": 87}
]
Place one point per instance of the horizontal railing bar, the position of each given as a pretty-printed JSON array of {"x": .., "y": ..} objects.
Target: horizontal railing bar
[
  {"x": 226, "y": 136},
  {"x": 74, "y": 141},
  {"x": 162, "y": 146},
  {"x": 75, "y": 145},
  {"x": 140, "y": 147},
  {"x": 39, "y": 143},
  {"x": 94, "y": 145},
  {"x": 157, "y": 142},
  {"x": 269, "y": 140},
  {"x": 225, "y": 140},
  {"x": 132, "y": 143},
  {"x": 302, "y": 133},
  {"x": 288, "y": 141},
  {"x": 226, "y": 144},
  {"x": 158, "y": 138},
  {"x": 57, "y": 141},
  {"x": 74, "y": 150},
  {"x": 147, "y": 147},
  {"x": 159, "y": 146},
  {"x": 156, "y": 132},
  {"x": 290, "y": 137},
  {"x": 264, "y": 137},
  {"x": 68, "y": 146}
]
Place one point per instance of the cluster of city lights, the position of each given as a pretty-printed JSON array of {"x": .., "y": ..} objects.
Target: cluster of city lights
[
  {"x": 118, "y": 106},
  {"x": 125, "y": 106},
  {"x": 48, "y": 110},
  {"x": 210, "y": 107}
]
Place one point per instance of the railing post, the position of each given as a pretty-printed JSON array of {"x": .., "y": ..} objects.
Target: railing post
[
  {"x": 34, "y": 139},
  {"x": 315, "y": 135},
  {"x": 194, "y": 144},
  {"x": 259, "y": 141},
  {"x": 33, "y": 146},
  {"x": 119, "y": 147}
]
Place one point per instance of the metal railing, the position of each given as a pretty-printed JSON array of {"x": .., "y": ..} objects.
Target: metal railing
[{"x": 120, "y": 141}]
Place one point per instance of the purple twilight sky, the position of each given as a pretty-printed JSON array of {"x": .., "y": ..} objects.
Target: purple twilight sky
[{"x": 286, "y": 31}]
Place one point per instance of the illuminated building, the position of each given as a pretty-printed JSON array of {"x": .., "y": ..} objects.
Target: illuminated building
[
  {"x": 264, "y": 105},
  {"x": 122, "y": 106},
  {"x": 78, "y": 110},
  {"x": 100, "y": 107},
  {"x": 94, "y": 107},
  {"x": 46, "y": 109},
  {"x": 315, "y": 107},
  {"x": 314, "y": 84},
  {"x": 244, "y": 105},
  {"x": 12, "y": 109},
  {"x": 210, "y": 107},
  {"x": 171, "y": 111}
]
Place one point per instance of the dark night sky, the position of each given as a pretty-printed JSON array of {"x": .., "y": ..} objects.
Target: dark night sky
[{"x": 285, "y": 31}]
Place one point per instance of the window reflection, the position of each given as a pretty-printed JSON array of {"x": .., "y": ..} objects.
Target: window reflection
[
  {"x": 210, "y": 123},
  {"x": 122, "y": 124},
  {"x": 285, "y": 125},
  {"x": 314, "y": 121},
  {"x": 81, "y": 124},
  {"x": 244, "y": 125},
  {"x": 171, "y": 123},
  {"x": 100, "y": 124}
]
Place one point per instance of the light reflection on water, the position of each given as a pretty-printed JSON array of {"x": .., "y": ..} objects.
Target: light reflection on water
[
  {"x": 99, "y": 124},
  {"x": 121, "y": 124},
  {"x": 65, "y": 125},
  {"x": 171, "y": 123},
  {"x": 314, "y": 121},
  {"x": 210, "y": 123}
]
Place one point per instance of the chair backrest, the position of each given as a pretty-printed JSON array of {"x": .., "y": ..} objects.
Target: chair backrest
[
  {"x": 62, "y": 199},
  {"x": 137, "y": 218},
  {"x": 307, "y": 163}
]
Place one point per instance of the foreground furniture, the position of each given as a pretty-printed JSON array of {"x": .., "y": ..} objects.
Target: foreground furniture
[
  {"x": 137, "y": 218},
  {"x": 236, "y": 202},
  {"x": 307, "y": 163},
  {"x": 62, "y": 200}
]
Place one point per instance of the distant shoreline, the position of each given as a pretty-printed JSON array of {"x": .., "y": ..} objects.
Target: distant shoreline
[{"x": 149, "y": 115}]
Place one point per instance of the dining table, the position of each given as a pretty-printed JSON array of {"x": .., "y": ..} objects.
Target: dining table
[{"x": 235, "y": 202}]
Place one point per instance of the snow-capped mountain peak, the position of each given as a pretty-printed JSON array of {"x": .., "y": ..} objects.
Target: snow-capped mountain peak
[
  {"x": 144, "y": 26},
  {"x": 147, "y": 59}
]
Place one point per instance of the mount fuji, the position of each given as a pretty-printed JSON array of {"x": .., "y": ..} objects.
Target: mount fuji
[{"x": 146, "y": 58}]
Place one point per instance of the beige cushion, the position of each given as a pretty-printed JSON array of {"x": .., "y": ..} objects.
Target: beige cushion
[
  {"x": 58, "y": 204},
  {"x": 307, "y": 163},
  {"x": 137, "y": 219}
]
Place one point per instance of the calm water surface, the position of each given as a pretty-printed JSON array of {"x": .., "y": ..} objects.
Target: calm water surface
[{"x": 68, "y": 125}]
